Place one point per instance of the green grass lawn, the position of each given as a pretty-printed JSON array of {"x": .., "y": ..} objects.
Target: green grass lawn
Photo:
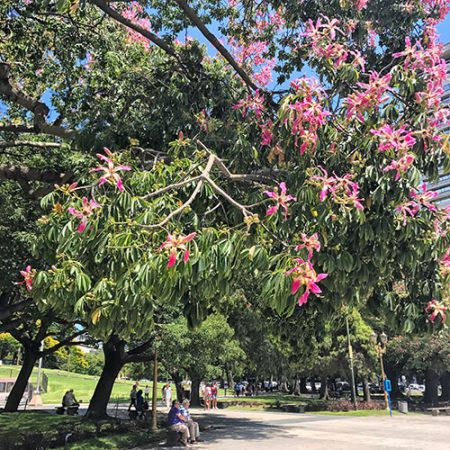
[
  {"x": 59, "y": 381},
  {"x": 42, "y": 430}
]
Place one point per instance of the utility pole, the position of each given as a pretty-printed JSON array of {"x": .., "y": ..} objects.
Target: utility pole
[
  {"x": 350, "y": 355},
  {"x": 155, "y": 392}
]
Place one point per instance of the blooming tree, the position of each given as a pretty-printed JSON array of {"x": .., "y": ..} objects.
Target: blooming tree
[{"x": 316, "y": 185}]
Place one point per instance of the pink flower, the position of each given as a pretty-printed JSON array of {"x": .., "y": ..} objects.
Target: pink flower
[
  {"x": 87, "y": 209},
  {"x": 371, "y": 96},
  {"x": 310, "y": 243},
  {"x": 266, "y": 133},
  {"x": 361, "y": 4},
  {"x": 305, "y": 275},
  {"x": 436, "y": 309},
  {"x": 110, "y": 174},
  {"x": 281, "y": 199},
  {"x": 405, "y": 209},
  {"x": 424, "y": 197},
  {"x": 444, "y": 263},
  {"x": 399, "y": 140},
  {"x": 253, "y": 103},
  {"x": 400, "y": 166},
  {"x": 28, "y": 275},
  {"x": 175, "y": 243}
]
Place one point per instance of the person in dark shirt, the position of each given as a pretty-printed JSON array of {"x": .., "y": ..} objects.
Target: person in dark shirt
[{"x": 177, "y": 422}]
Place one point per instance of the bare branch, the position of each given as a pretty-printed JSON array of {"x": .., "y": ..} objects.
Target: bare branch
[
  {"x": 195, "y": 19},
  {"x": 9, "y": 144},
  {"x": 39, "y": 109},
  {"x": 24, "y": 173},
  {"x": 124, "y": 21}
]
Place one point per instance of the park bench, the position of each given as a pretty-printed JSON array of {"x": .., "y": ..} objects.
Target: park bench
[
  {"x": 69, "y": 410},
  {"x": 173, "y": 438},
  {"x": 294, "y": 408},
  {"x": 436, "y": 410}
]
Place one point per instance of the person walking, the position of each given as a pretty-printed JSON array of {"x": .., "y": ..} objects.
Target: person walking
[
  {"x": 207, "y": 397},
  {"x": 194, "y": 430},
  {"x": 147, "y": 393},
  {"x": 140, "y": 404},
  {"x": 167, "y": 395},
  {"x": 214, "y": 393},
  {"x": 133, "y": 395}
]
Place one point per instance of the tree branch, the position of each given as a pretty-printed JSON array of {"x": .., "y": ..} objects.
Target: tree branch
[
  {"x": 128, "y": 23},
  {"x": 24, "y": 173},
  {"x": 9, "y": 144},
  {"x": 39, "y": 109},
  {"x": 67, "y": 341},
  {"x": 195, "y": 19}
]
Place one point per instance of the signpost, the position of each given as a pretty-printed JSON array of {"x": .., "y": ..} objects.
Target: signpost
[{"x": 388, "y": 389}]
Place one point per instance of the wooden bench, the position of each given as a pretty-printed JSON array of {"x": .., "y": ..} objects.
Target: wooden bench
[
  {"x": 435, "y": 411},
  {"x": 294, "y": 408},
  {"x": 69, "y": 410},
  {"x": 173, "y": 438}
]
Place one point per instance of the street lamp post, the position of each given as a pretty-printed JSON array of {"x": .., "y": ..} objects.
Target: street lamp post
[{"x": 381, "y": 350}]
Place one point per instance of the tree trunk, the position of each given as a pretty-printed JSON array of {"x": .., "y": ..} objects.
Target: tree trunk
[
  {"x": 324, "y": 393},
  {"x": 195, "y": 391},
  {"x": 113, "y": 350},
  {"x": 296, "y": 386},
  {"x": 230, "y": 380},
  {"x": 177, "y": 379},
  {"x": 312, "y": 382},
  {"x": 445, "y": 383},
  {"x": 303, "y": 388},
  {"x": 431, "y": 387},
  {"x": 366, "y": 389},
  {"x": 30, "y": 357}
]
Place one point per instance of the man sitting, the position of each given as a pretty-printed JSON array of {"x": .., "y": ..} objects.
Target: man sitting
[
  {"x": 177, "y": 422},
  {"x": 194, "y": 430},
  {"x": 70, "y": 402}
]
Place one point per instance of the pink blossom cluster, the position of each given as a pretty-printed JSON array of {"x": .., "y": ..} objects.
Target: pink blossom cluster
[
  {"x": 425, "y": 61},
  {"x": 175, "y": 243},
  {"x": 371, "y": 96},
  {"x": 28, "y": 278},
  {"x": 400, "y": 166},
  {"x": 133, "y": 13},
  {"x": 398, "y": 142},
  {"x": 252, "y": 54},
  {"x": 282, "y": 198},
  {"x": 321, "y": 40},
  {"x": 420, "y": 197},
  {"x": 436, "y": 309},
  {"x": 304, "y": 274},
  {"x": 442, "y": 7},
  {"x": 305, "y": 114},
  {"x": 361, "y": 4},
  {"x": 342, "y": 190},
  {"x": 253, "y": 102},
  {"x": 86, "y": 211}
]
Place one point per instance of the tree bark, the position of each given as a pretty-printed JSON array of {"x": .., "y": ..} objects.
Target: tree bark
[
  {"x": 312, "y": 382},
  {"x": 303, "y": 388},
  {"x": 324, "y": 393},
  {"x": 431, "y": 387},
  {"x": 366, "y": 389},
  {"x": 445, "y": 383},
  {"x": 114, "y": 350},
  {"x": 195, "y": 391},
  {"x": 30, "y": 357},
  {"x": 177, "y": 379}
]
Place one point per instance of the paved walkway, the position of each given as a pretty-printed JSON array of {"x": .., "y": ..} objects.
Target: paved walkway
[{"x": 255, "y": 430}]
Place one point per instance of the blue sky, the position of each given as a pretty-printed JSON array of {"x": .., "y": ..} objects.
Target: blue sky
[{"x": 444, "y": 30}]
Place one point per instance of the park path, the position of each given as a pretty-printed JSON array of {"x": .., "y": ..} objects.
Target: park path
[{"x": 259, "y": 430}]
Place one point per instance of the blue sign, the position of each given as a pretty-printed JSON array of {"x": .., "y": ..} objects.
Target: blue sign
[{"x": 387, "y": 385}]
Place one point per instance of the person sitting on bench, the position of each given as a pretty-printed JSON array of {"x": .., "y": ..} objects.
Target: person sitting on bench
[
  {"x": 69, "y": 400},
  {"x": 177, "y": 422},
  {"x": 193, "y": 427}
]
